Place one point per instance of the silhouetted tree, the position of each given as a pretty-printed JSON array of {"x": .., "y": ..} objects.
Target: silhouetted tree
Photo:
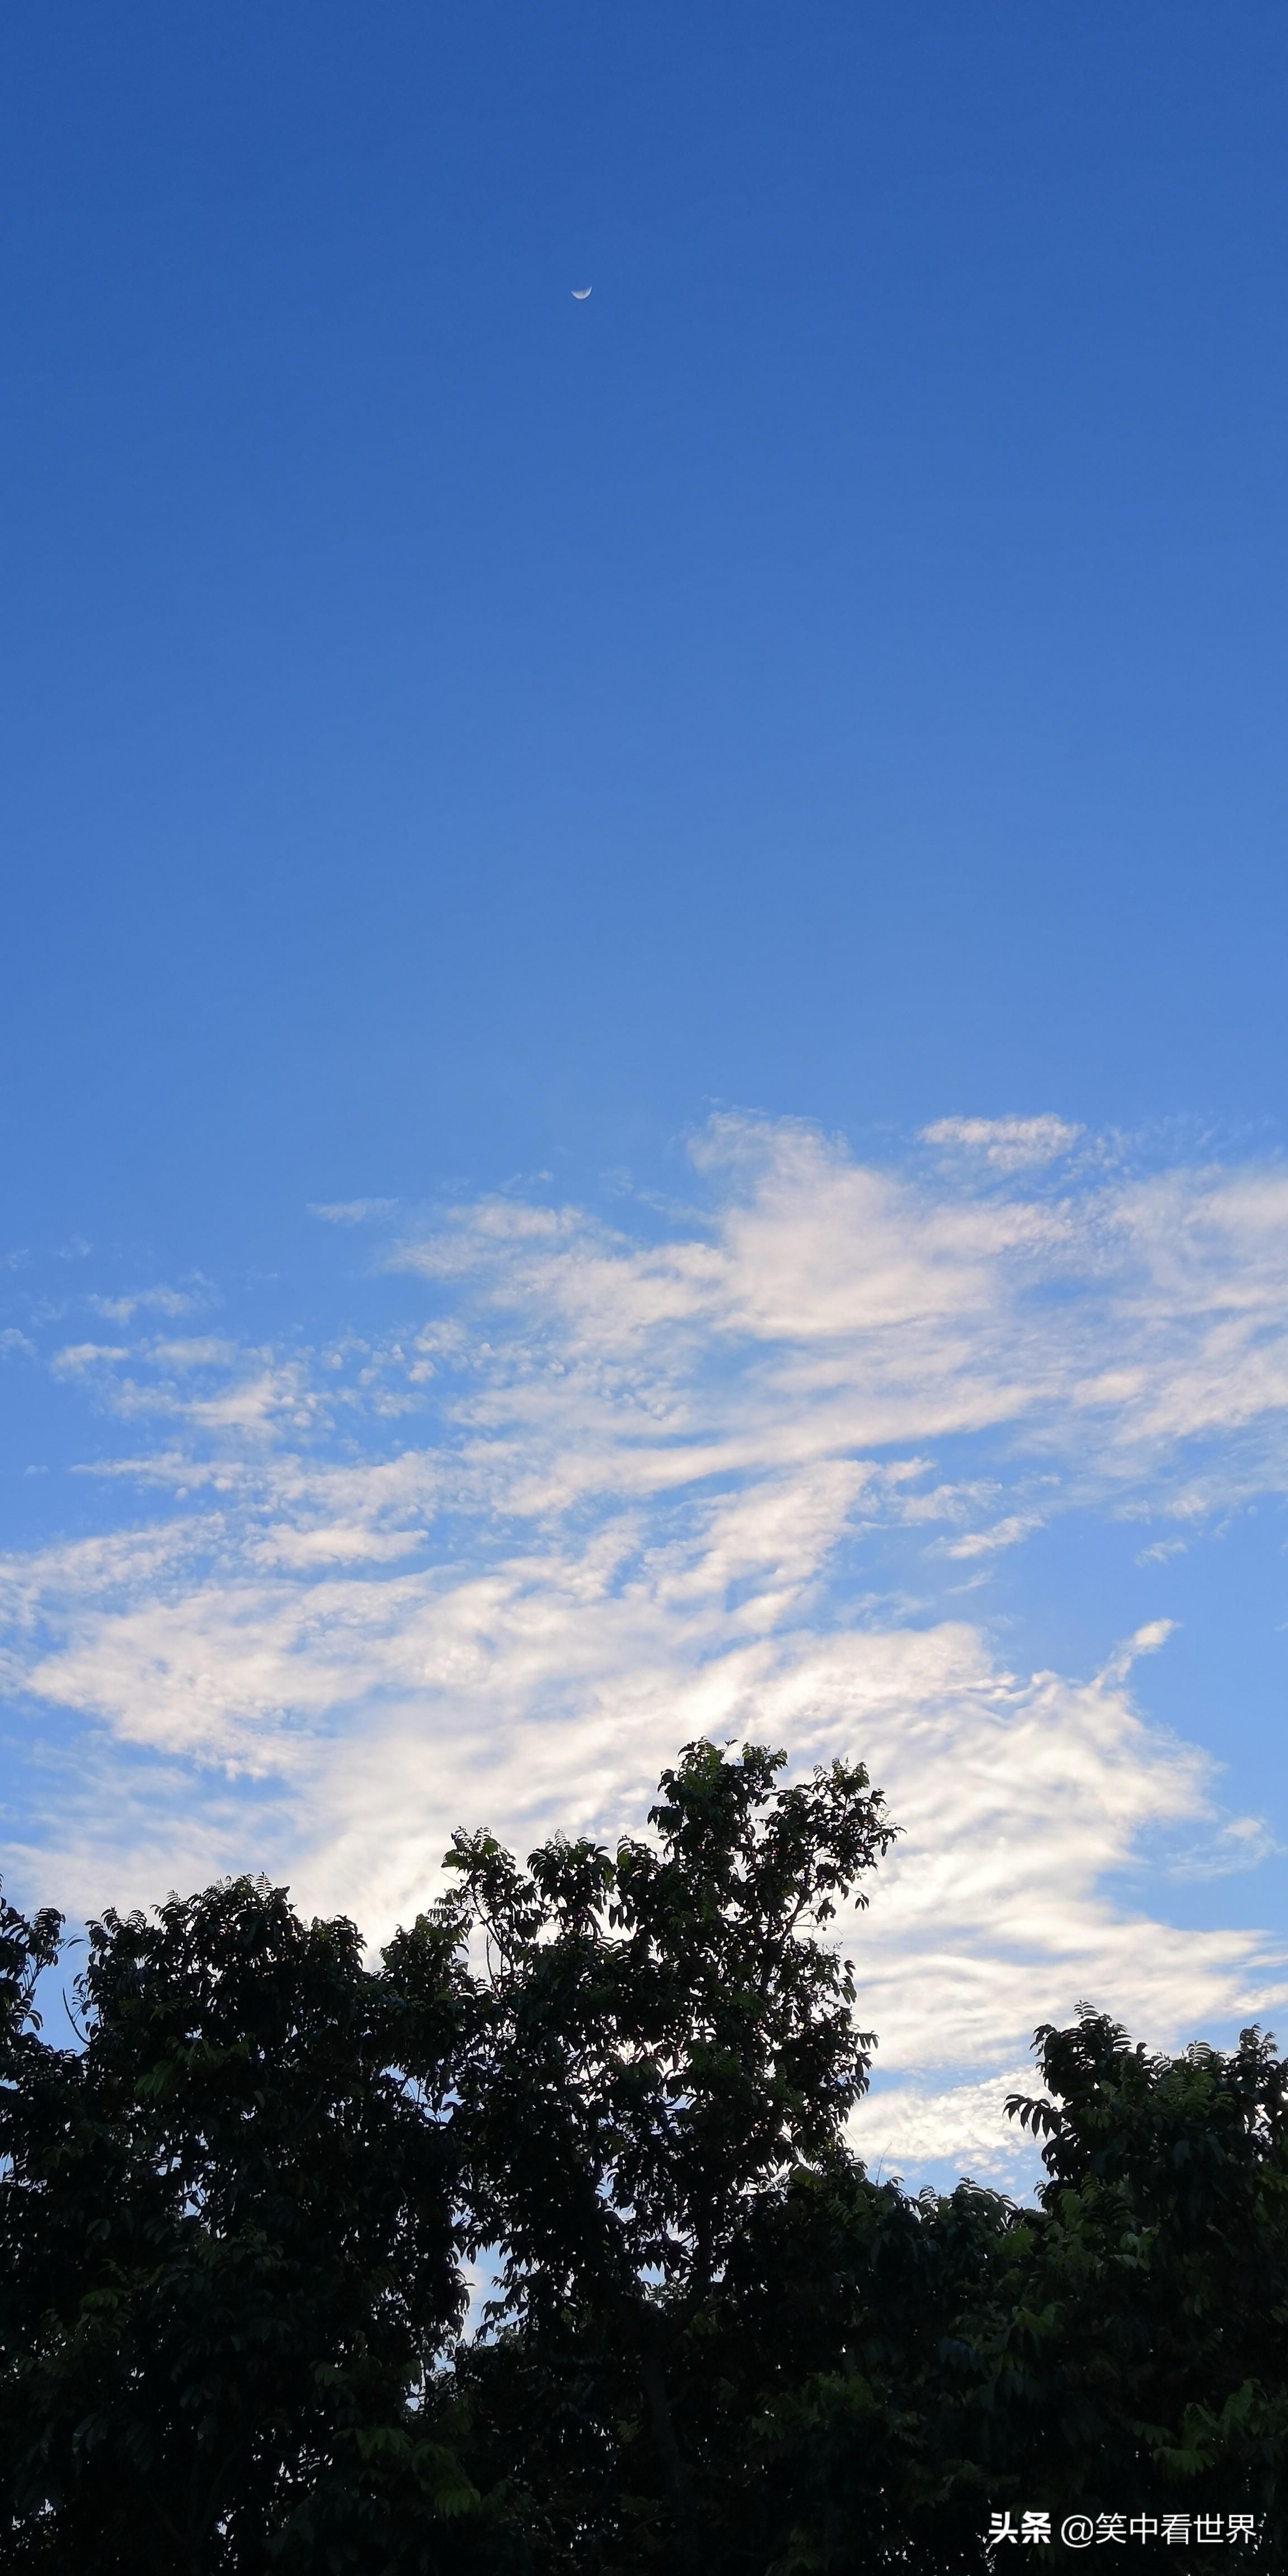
[
  {"x": 226, "y": 2243},
  {"x": 661, "y": 2037},
  {"x": 1144, "y": 2359},
  {"x": 235, "y": 2220}
]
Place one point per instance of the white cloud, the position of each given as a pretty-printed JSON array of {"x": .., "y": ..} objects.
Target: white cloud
[
  {"x": 151, "y": 1301},
  {"x": 351, "y": 1211},
  {"x": 77, "y": 1357},
  {"x": 1009, "y": 1144},
  {"x": 1143, "y": 1641},
  {"x": 1004, "y": 1533},
  {"x": 205, "y": 1350},
  {"x": 613, "y": 1493},
  {"x": 900, "y": 2128}
]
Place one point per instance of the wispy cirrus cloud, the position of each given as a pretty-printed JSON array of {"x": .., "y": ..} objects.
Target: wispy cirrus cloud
[
  {"x": 159, "y": 1300},
  {"x": 609, "y": 1487},
  {"x": 351, "y": 1211},
  {"x": 1008, "y": 1144}
]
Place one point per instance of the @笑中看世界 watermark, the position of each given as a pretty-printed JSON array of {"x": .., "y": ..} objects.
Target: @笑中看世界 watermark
[{"x": 1110, "y": 2530}]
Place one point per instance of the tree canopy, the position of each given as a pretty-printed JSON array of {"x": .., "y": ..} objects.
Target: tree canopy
[{"x": 246, "y": 2207}]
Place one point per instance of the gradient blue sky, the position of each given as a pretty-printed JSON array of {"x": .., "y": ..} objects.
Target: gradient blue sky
[{"x": 458, "y": 743}]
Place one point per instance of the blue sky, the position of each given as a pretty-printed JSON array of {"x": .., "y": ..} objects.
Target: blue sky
[{"x": 734, "y": 830}]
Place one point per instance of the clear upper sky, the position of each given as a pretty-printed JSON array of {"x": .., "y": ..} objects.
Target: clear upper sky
[
  {"x": 456, "y": 738},
  {"x": 838, "y": 666}
]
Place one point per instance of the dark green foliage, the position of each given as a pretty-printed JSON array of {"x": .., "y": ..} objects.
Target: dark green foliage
[
  {"x": 849, "y": 2377},
  {"x": 661, "y": 2037},
  {"x": 233, "y": 2220},
  {"x": 1147, "y": 2342},
  {"x": 227, "y": 2251},
  {"x": 814, "y": 2394}
]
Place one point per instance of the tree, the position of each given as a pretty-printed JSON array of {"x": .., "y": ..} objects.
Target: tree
[
  {"x": 233, "y": 2220},
  {"x": 1143, "y": 2360},
  {"x": 842, "y": 2377},
  {"x": 227, "y": 2245},
  {"x": 660, "y": 2036}
]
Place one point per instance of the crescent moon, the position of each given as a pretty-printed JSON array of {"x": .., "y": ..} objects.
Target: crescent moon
[{"x": 580, "y": 294}]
